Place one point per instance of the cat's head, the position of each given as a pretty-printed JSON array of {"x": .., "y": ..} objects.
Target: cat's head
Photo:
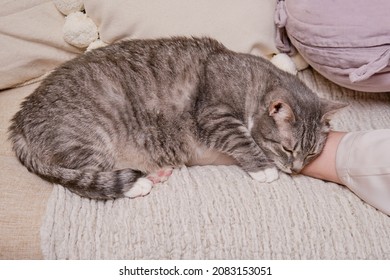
[{"x": 293, "y": 131}]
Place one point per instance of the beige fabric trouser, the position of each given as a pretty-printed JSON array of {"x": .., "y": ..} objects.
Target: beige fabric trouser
[{"x": 363, "y": 165}]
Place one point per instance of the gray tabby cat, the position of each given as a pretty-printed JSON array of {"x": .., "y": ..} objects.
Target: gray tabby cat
[{"x": 163, "y": 104}]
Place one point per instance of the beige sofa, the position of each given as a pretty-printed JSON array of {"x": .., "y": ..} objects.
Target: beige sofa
[{"x": 203, "y": 212}]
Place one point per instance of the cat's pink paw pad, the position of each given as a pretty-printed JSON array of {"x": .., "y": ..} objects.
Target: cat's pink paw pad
[{"x": 160, "y": 175}]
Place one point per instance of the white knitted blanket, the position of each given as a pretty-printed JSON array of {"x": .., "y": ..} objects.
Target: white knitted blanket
[{"x": 218, "y": 212}]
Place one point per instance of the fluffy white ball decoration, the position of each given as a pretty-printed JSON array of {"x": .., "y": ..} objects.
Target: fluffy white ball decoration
[
  {"x": 284, "y": 62},
  {"x": 299, "y": 62},
  {"x": 69, "y": 6},
  {"x": 79, "y": 30},
  {"x": 96, "y": 44}
]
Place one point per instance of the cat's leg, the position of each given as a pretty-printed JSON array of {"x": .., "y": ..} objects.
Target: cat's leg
[
  {"x": 141, "y": 187},
  {"x": 222, "y": 131}
]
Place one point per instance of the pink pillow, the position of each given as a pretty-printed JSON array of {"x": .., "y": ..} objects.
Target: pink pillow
[{"x": 347, "y": 41}]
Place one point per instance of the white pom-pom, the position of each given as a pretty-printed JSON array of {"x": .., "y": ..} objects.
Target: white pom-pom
[
  {"x": 79, "y": 30},
  {"x": 300, "y": 62},
  {"x": 96, "y": 44},
  {"x": 284, "y": 62},
  {"x": 69, "y": 6}
]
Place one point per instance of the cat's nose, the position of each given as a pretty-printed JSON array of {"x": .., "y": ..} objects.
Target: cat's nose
[
  {"x": 296, "y": 170},
  {"x": 297, "y": 166}
]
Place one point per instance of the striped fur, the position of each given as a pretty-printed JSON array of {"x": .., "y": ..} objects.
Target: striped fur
[{"x": 154, "y": 102}]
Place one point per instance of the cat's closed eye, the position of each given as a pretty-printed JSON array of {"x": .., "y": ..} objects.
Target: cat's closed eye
[{"x": 287, "y": 150}]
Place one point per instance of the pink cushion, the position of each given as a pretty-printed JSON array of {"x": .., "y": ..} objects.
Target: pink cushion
[{"x": 347, "y": 41}]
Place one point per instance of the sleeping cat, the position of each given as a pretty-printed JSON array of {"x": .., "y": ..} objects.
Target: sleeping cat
[{"x": 162, "y": 104}]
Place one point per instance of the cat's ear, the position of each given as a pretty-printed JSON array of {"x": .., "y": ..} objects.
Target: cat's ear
[
  {"x": 281, "y": 112},
  {"x": 329, "y": 108}
]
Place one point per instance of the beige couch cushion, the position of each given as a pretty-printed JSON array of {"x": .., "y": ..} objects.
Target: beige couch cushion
[
  {"x": 23, "y": 196},
  {"x": 244, "y": 26},
  {"x": 31, "y": 41}
]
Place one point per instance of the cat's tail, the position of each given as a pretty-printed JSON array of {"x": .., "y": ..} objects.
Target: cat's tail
[{"x": 87, "y": 183}]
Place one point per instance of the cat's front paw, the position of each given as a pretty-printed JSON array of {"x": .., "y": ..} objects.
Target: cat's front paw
[{"x": 267, "y": 175}]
